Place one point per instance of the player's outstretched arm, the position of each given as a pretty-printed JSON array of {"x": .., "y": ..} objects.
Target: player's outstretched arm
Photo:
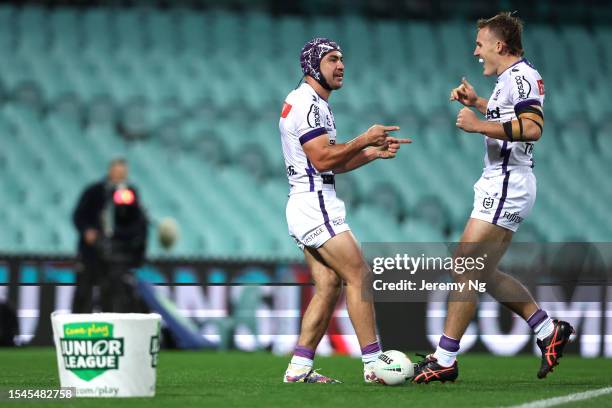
[
  {"x": 466, "y": 95},
  {"x": 326, "y": 157},
  {"x": 387, "y": 151},
  {"x": 527, "y": 127}
]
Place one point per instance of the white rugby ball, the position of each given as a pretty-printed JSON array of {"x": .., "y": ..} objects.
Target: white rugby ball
[{"x": 393, "y": 368}]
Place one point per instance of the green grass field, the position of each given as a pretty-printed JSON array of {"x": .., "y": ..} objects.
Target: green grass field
[{"x": 203, "y": 379}]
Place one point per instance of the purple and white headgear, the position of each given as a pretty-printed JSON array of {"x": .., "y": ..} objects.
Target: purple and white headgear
[{"x": 312, "y": 54}]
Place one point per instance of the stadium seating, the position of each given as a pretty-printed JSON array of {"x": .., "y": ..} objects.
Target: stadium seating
[{"x": 192, "y": 99}]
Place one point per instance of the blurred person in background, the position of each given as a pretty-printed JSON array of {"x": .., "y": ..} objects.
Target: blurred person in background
[{"x": 112, "y": 227}]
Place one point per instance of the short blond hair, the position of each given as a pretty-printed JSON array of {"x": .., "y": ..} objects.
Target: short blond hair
[{"x": 506, "y": 27}]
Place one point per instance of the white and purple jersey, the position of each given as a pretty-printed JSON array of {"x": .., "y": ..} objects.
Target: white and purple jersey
[
  {"x": 305, "y": 116},
  {"x": 518, "y": 86}
]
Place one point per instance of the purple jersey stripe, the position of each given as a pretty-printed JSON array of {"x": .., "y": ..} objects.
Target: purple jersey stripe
[
  {"x": 311, "y": 134},
  {"x": 505, "y": 153},
  {"x": 310, "y": 171},
  {"x": 527, "y": 102},
  {"x": 502, "y": 199},
  {"x": 325, "y": 215}
]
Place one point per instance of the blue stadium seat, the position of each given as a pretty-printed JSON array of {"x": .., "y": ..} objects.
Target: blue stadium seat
[
  {"x": 192, "y": 99},
  {"x": 584, "y": 53},
  {"x": 421, "y": 231}
]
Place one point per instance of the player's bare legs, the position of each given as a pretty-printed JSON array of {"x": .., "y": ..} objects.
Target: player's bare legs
[
  {"x": 339, "y": 259},
  {"x": 328, "y": 287},
  {"x": 495, "y": 240},
  {"x": 343, "y": 255},
  {"x": 501, "y": 286},
  {"x": 479, "y": 238},
  {"x": 442, "y": 365},
  {"x": 507, "y": 287}
]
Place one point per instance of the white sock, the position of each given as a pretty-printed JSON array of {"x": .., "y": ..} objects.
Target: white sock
[
  {"x": 370, "y": 353},
  {"x": 370, "y": 358},
  {"x": 445, "y": 358},
  {"x": 301, "y": 361},
  {"x": 544, "y": 329}
]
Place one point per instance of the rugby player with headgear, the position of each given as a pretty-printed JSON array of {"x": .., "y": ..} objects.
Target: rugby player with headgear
[
  {"x": 316, "y": 216},
  {"x": 504, "y": 195}
]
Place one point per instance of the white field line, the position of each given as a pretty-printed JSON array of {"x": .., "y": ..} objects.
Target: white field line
[{"x": 551, "y": 402}]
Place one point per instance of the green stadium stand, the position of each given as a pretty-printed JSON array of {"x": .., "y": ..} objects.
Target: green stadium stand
[{"x": 192, "y": 99}]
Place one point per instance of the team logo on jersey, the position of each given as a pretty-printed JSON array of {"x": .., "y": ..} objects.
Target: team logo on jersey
[
  {"x": 541, "y": 86},
  {"x": 314, "y": 116},
  {"x": 497, "y": 94},
  {"x": 487, "y": 203},
  {"x": 286, "y": 110},
  {"x": 328, "y": 122},
  {"x": 520, "y": 84},
  {"x": 291, "y": 171}
]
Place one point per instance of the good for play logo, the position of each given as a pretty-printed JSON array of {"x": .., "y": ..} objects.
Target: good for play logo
[{"x": 89, "y": 349}]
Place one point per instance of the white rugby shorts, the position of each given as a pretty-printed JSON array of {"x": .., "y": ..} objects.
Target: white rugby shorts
[
  {"x": 315, "y": 217},
  {"x": 506, "y": 199}
]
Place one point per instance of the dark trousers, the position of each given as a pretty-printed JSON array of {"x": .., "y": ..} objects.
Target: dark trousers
[{"x": 114, "y": 280}]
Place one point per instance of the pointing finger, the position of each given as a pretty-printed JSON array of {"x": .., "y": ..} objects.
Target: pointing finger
[
  {"x": 398, "y": 141},
  {"x": 390, "y": 128}
]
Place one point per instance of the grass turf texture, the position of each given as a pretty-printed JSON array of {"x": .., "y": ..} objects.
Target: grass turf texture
[{"x": 202, "y": 379}]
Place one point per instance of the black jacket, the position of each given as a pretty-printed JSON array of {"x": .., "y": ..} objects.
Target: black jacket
[{"x": 130, "y": 221}]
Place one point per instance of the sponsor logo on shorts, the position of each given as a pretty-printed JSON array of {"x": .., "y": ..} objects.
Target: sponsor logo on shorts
[
  {"x": 338, "y": 221},
  {"x": 487, "y": 203},
  {"x": 310, "y": 237},
  {"x": 513, "y": 217}
]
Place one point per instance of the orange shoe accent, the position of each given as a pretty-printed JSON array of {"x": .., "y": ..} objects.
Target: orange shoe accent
[
  {"x": 551, "y": 351},
  {"x": 431, "y": 373}
]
